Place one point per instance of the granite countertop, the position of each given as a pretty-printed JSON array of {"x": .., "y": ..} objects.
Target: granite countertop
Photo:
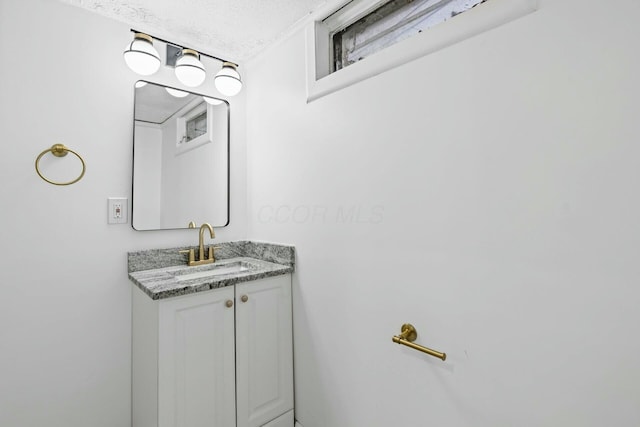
[
  {"x": 167, "y": 282},
  {"x": 164, "y": 273}
]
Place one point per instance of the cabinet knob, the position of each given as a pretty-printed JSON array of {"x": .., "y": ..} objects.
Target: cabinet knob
[
  {"x": 244, "y": 298},
  {"x": 229, "y": 303}
]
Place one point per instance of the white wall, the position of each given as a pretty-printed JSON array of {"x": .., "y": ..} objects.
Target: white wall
[
  {"x": 148, "y": 175},
  {"x": 65, "y": 305},
  {"x": 496, "y": 183}
]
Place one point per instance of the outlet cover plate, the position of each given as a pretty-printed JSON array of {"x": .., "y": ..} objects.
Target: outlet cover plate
[{"x": 117, "y": 210}]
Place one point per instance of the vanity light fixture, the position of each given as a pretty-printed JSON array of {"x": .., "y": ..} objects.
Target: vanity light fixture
[
  {"x": 141, "y": 56},
  {"x": 228, "y": 81},
  {"x": 189, "y": 69}
]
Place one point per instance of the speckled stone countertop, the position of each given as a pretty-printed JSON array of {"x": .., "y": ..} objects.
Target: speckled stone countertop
[{"x": 160, "y": 273}]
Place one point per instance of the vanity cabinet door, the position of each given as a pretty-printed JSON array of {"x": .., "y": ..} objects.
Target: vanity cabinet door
[
  {"x": 196, "y": 375},
  {"x": 285, "y": 420},
  {"x": 264, "y": 350}
]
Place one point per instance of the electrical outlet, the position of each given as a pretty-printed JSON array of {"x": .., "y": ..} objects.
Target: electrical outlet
[{"x": 117, "y": 210}]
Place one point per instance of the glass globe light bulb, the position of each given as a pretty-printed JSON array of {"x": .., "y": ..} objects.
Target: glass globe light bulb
[
  {"x": 189, "y": 70},
  {"x": 141, "y": 56},
  {"x": 228, "y": 81},
  {"x": 213, "y": 101},
  {"x": 177, "y": 93}
]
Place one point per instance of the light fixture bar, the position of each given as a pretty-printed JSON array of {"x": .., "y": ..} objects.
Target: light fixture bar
[{"x": 183, "y": 47}]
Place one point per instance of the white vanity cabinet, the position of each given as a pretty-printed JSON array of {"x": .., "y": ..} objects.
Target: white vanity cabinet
[
  {"x": 264, "y": 351},
  {"x": 218, "y": 358}
]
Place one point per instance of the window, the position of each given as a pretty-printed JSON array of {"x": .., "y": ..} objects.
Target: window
[
  {"x": 390, "y": 23},
  {"x": 194, "y": 126},
  {"x": 364, "y": 38}
]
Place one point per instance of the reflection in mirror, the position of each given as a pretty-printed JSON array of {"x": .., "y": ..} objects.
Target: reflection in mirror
[{"x": 180, "y": 159}]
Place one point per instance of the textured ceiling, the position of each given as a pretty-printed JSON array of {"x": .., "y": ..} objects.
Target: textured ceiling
[{"x": 235, "y": 30}]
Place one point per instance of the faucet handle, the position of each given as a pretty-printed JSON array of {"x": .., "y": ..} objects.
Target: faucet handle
[{"x": 192, "y": 255}]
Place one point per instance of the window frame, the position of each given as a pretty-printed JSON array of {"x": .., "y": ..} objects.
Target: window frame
[
  {"x": 321, "y": 80},
  {"x": 187, "y": 113}
]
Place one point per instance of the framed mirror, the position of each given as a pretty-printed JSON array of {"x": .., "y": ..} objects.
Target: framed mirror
[{"x": 180, "y": 159}]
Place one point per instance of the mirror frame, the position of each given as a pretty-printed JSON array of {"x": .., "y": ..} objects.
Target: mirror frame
[{"x": 133, "y": 133}]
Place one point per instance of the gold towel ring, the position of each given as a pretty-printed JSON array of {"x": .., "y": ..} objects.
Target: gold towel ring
[{"x": 59, "y": 150}]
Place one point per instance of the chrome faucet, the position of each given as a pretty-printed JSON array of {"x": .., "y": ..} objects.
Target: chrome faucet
[{"x": 201, "y": 259}]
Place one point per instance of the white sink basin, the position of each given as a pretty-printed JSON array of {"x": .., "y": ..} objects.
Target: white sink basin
[{"x": 214, "y": 270}]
